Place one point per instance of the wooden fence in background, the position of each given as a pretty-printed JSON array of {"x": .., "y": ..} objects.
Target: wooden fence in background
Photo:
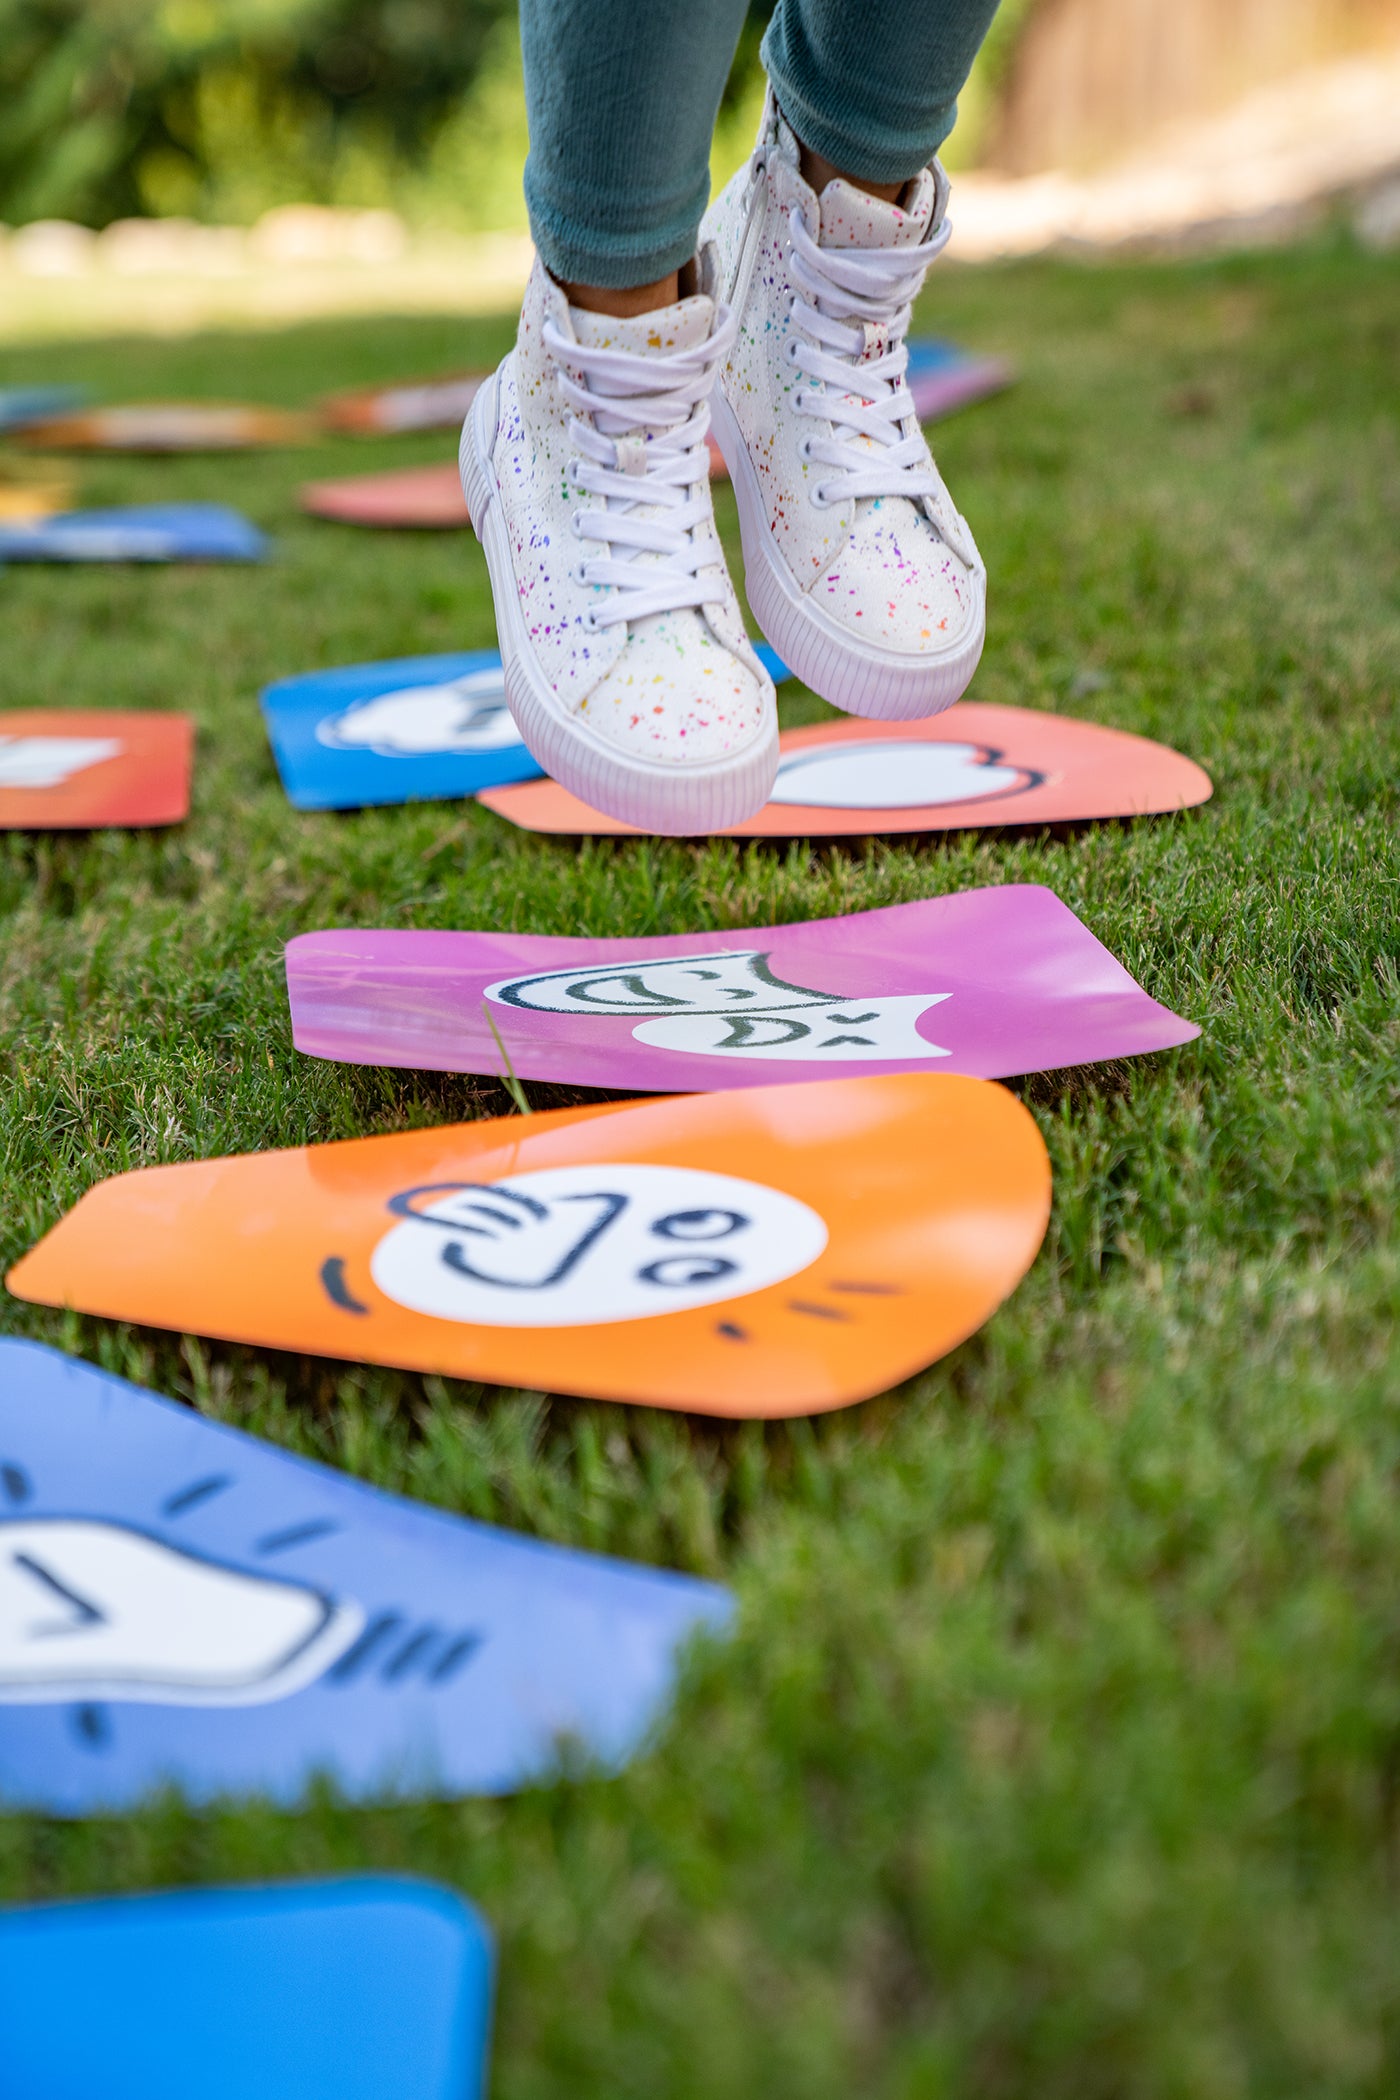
[{"x": 1092, "y": 78}]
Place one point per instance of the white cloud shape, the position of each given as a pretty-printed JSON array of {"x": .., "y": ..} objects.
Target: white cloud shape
[
  {"x": 900, "y": 774},
  {"x": 94, "y": 1610},
  {"x": 47, "y": 761},
  {"x": 467, "y": 715}
]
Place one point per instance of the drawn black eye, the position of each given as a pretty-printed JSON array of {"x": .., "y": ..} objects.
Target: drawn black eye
[
  {"x": 677, "y": 1271},
  {"x": 700, "y": 1224}
]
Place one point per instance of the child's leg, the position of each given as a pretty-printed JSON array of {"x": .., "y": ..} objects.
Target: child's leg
[
  {"x": 870, "y": 89},
  {"x": 584, "y": 460},
  {"x": 859, "y": 568},
  {"x": 622, "y": 97}
]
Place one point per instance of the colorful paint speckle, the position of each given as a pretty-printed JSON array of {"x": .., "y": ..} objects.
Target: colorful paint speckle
[
  {"x": 896, "y": 573},
  {"x": 681, "y": 687}
]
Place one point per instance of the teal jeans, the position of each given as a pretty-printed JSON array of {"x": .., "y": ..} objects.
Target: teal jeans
[{"x": 622, "y": 97}]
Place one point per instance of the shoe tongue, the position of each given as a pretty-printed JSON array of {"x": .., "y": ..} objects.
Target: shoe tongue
[
  {"x": 677, "y": 327},
  {"x": 852, "y": 218},
  {"x": 681, "y": 326}
]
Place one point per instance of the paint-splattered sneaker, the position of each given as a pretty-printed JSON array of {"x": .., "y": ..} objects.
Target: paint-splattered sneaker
[
  {"x": 585, "y": 469},
  {"x": 859, "y": 569}
]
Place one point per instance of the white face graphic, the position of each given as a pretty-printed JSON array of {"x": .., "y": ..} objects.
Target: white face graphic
[
  {"x": 739, "y": 981},
  {"x": 47, "y": 761},
  {"x": 841, "y": 1031},
  {"x": 469, "y": 715},
  {"x": 93, "y": 1610},
  {"x": 731, "y": 1005},
  {"x": 902, "y": 774},
  {"x": 579, "y": 1246}
]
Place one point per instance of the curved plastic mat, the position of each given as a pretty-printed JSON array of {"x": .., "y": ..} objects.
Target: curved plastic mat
[
  {"x": 184, "y": 1605},
  {"x": 423, "y": 404},
  {"x": 991, "y": 982},
  {"x": 944, "y": 378},
  {"x": 71, "y": 769},
  {"x": 142, "y": 532},
  {"x": 770, "y": 1252},
  {"x": 169, "y": 426},
  {"x": 411, "y": 729},
  {"x": 975, "y": 765},
  {"x": 427, "y": 499},
  {"x": 20, "y": 405},
  {"x": 376, "y": 1988}
]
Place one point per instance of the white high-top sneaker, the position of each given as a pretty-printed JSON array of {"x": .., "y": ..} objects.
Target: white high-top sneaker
[
  {"x": 585, "y": 469},
  {"x": 859, "y": 569}
]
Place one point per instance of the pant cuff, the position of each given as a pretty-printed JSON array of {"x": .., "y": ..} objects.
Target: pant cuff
[
  {"x": 866, "y": 149},
  {"x": 601, "y": 250}
]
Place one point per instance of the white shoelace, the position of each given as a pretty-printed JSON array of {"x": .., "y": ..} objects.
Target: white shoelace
[
  {"x": 640, "y": 424},
  {"x": 857, "y": 299}
]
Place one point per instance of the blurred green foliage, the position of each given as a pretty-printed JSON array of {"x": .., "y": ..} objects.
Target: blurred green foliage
[{"x": 217, "y": 107}]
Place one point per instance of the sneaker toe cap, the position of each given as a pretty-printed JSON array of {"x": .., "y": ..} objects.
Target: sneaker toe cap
[
  {"x": 678, "y": 698},
  {"x": 898, "y": 587}
]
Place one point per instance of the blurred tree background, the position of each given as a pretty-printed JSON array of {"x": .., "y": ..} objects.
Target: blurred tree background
[{"x": 219, "y": 109}]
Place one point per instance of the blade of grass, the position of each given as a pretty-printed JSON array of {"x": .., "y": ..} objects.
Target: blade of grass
[{"x": 511, "y": 1083}]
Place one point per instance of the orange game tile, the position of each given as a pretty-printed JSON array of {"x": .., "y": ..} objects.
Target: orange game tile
[
  {"x": 774, "y": 1252},
  {"x": 977, "y": 764},
  {"x": 67, "y": 769}
]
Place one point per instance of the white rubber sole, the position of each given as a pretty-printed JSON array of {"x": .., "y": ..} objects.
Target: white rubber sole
[
  {"x": 873, "y": 683},
  {"x": 677, "y": 801}
]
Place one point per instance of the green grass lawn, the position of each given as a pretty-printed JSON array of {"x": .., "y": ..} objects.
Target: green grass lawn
[{"x": 1058, "y": 1751}]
